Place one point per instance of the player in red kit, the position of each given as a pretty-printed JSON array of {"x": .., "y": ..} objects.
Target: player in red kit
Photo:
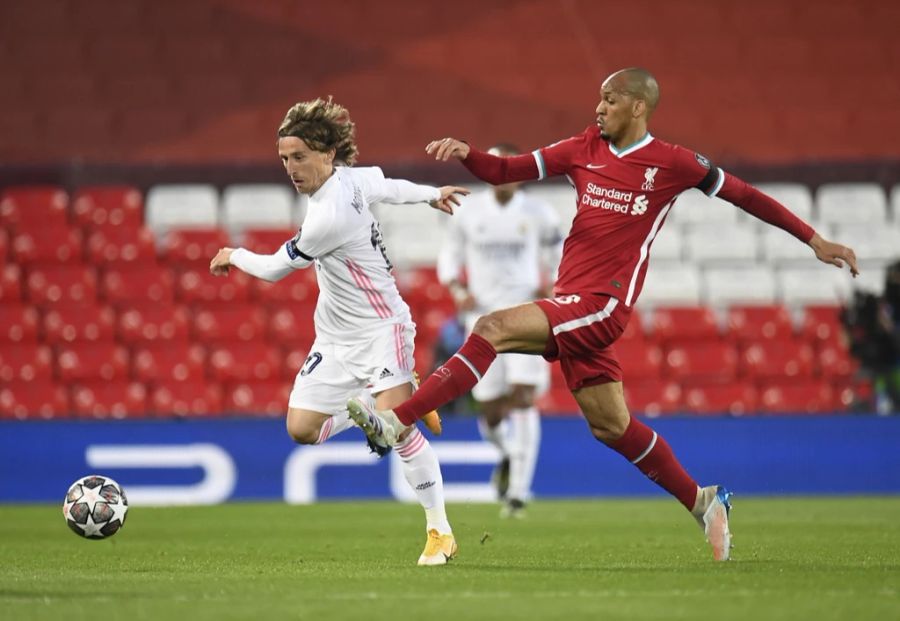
[{"x": 627, "y": 181}]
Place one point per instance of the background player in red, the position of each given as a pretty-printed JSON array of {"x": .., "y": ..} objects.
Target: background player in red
[{"x": 626, "y": 182}]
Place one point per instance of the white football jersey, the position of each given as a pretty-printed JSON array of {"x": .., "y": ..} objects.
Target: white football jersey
[
  {"x": 341, "y": 237},
  {"x": 500, "y": 247}
]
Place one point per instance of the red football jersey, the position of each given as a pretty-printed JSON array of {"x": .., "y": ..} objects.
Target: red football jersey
[{"x": 623, "y": 199}]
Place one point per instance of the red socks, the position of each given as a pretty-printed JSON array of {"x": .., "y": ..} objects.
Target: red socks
[
  {"x": 654, "y": 457},
  {"x": 455, "y": 378}
]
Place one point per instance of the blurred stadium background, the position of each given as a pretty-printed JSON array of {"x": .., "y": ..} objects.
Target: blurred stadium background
[{"x": 138, "y": 138}]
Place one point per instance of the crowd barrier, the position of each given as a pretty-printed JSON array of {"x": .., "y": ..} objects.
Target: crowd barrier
[{"x": 211, "y": 461}]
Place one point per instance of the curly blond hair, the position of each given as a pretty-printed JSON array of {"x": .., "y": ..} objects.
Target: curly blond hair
[{"x": 323, "y": 126}]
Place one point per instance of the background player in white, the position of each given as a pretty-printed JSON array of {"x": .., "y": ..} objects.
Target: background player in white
[
  {"x": 509, "y": 245},
  {"x": 364, "y": 331}
]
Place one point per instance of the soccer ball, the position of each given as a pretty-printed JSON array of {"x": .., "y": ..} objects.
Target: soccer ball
[{"x": 95, "y": 507}]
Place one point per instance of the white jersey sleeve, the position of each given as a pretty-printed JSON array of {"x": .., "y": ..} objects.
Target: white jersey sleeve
[
  {"x": 378, "y": 189},
  {"x": 271, "y": 267}
]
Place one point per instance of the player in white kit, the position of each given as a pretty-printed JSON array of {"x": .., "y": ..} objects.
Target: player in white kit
[
  {"x": 509, "y": 245},
  {"x": 364, "y": 331}
]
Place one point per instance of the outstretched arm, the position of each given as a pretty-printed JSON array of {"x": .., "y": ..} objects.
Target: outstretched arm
[
  {"x": 491, "y": 168},
  {"x": 767, "y": 209},
  {"x": 399, "y": 191},
  {"x": 271, "y": 267}
]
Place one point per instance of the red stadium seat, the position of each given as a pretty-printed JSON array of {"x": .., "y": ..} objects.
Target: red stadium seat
[
  {"x": 293, "y": 288},
  {"x": 4, "y": 247},
  {"x": 25, "y": 362},
  {"x": 423, "y": 358},
  {"x": 732, "y": 398},
  {"x": 66, "y": 323},
  {"x": 772, "y": 359},
  {"x": 121, "y": 245},
  {"x": 154, "y": 323},
  {"x": 798, "y": 397},
  {"x": 86, "y": 361},
  {"x": 57, "y": 244},
  {"x": 10, "y": 284},
  {"x": 751, "y": 323},
  {"x": 423, "y": 291},
  {"x": 822, "y": 323},
  {"x": 27, "y": 208},
  {"x": 108, "y": 206},
  {"x": 634, "y": 330},
  {"x": 701, "y": 360},
  {"x": 190, "y": 398},
  {"x": 292, "y": 358},
  {"x": 429, "y": 322},
  {"x": 198, "y": 285},
  {"x": 292, "y": 324},
  {"x": 243, "y": 362},
  {"x": 268, "y": 398},
  {"x": 835, "y": 361},
  {"x": 266, "y": 241},
  {"x": 178, "y": 361},
  {"x": 120, "y": 399},
  {"x": 33, "y": 399},
  {"x": 639, "y": 360},
  {"x": 62, "y": 283},
  {"x": 557, "y": 400},
  {"x": 193, "y": 245},
  {"x": 653, "y": 397},
  {"x": 18, "y": 324},
  {"x": 138, "y": 283},
  {"x": 684, "y": 323},
  {"x": 233, "y": 322}
]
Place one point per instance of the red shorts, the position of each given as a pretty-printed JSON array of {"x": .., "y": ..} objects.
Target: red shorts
[{"x": 584, "y": 327}]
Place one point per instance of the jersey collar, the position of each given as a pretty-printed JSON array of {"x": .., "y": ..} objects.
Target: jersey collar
[
  {"x": 643, "y": 142},
  {"x": 323, "y": 189}
]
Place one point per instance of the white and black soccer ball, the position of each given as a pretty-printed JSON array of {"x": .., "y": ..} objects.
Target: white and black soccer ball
[{"x": 95, "y": 507}]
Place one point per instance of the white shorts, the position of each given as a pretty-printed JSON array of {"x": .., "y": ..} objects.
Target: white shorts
[
  {"x": 510, "y": 369},
  {"x": 334, "y": 372}
]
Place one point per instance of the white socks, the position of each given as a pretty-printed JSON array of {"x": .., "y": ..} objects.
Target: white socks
[
  {"x": 423, "y": 473},
  {"x": 333, "y": 426},
  {"x": 420, "y": 467},
  {"x": 524, "y": 442}
]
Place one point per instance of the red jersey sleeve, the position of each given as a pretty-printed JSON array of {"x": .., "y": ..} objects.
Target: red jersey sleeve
[
  {"x": 698, "y": 172},
  {"x": 497, "y": 170},
  {"x": 556, "y": 159},
  {"x": 764, "y": 207}
]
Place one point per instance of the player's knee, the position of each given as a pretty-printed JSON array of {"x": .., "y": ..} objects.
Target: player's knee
[
  {"x": 301, "y": 433},
  {"x": 608, "y": 426},
  {"x": 303, "y": 436},
  {"x": 490, "y": 327}
]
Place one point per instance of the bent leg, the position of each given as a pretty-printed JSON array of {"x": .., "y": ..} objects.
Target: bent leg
[
  {"x": 420, "y": 464},
  {"x": 523, "y": 329},
  {"x": 604, "y": 409},
  {"x": 310, "y": 427}
]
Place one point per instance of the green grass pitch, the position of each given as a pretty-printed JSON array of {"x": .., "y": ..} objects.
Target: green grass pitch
[{"x": 794, "y": 558}]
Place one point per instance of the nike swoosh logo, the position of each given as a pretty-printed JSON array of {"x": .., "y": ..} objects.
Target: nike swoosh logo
[{"x": 596, "y": 165}]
